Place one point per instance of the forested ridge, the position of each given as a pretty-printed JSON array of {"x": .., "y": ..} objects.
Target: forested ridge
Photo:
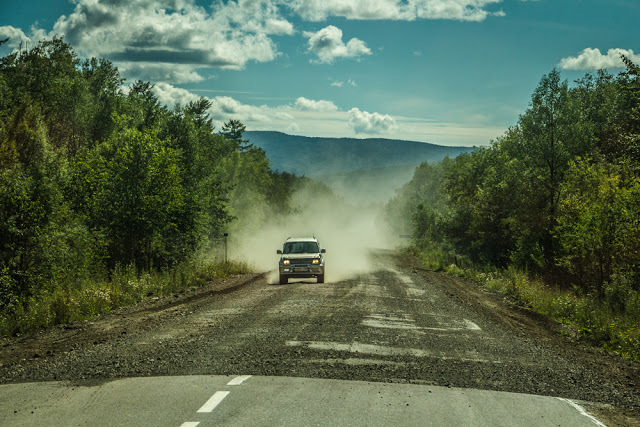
[
  {"x": 549, "y": 212},
  {"x": 107, "y": 196}
]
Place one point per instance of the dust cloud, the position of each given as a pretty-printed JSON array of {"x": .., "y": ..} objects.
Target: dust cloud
[{"x": 348, "y": 233}]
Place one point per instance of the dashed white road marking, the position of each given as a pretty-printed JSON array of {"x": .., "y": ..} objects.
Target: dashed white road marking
[
  {"x": 380, "y": 350},
  {"x": 239, "y": 380},
  {"x": 405, "y": 321},
  {"x": 468, "y": 325},
  {"x": 390, "y": 322},
  {"x": 216, "y": 399},
  {"x": 583, "y": 412},
  {"x": 471, "y": 326},
  {"x": 213, "y": 401},
  {"x": 356, "y": 347}
]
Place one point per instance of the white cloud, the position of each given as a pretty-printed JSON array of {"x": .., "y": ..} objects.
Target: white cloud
[
  {"x": 409, "y": 10},
  {"x": 304, "y": 104},
  {"x": 593, "y": 59},
  {"x": 172, "y": 40},
  {"x": 170, "y": 95},
  {"x": 224, "y": 108},
  {"x": 258, "y": 16},
  {"x": 174, "y": 35},
  {"x": 352, "y": 123},
  {"x": 370, "y": 123},
  {"x": 152, "y": 72},
  {"x": 328, "y": 45},
  {"x": 350, "y": 82},
  {"x": 18, "y": 39}
]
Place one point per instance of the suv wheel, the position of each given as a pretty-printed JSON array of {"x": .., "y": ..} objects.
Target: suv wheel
[
  {"x": 320, "y": 278},
  {"x": 284, "y": 280}
]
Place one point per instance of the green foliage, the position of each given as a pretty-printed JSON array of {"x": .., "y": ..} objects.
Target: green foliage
[
  {"x": 94, "y": 177},
  {"x": 598, "y": 227},
  {"x": 424, "y": 190},
  {"x": 232, "y": 131},
  {"x": 131, "y": 190},
  {"x": 101, "y": 296},
  {"x": 556, "y": 196}
]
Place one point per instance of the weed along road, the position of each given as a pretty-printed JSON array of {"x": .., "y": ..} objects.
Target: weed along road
[{"x": 394, "y": 345}]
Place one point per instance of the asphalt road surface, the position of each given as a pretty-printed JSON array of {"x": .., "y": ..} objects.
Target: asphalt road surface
[{"x": 396, "y": 345}]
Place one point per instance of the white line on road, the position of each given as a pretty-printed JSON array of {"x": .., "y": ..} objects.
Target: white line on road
[
  {"x": 356, "y": 347},
  {"x": 190, "y": 424},
  {"x": 470, "y": 325},
  {"x": 404, "y": 321},
  {"x": 213, "y": 401},
  {"x": 239, "y": 380},
  {"x": 583, "y": 412},
  {"x": 379, "y": 350}
]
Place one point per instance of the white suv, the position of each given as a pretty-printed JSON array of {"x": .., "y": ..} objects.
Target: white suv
[{"x": 301, "y": 257}]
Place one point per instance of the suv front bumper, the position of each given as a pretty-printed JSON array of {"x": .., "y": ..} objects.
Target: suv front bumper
[{"x": 301, "y": 270}]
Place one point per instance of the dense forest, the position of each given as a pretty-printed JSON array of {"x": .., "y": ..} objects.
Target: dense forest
[
  {"x": 557, "y": 196},
  {"x": 102, "y": 187}
]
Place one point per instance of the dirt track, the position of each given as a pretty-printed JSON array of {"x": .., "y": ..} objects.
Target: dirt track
[{"x": 398, "y": 323}]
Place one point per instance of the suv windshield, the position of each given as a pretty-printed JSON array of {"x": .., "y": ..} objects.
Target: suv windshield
[{"x": 300, "y": 247}]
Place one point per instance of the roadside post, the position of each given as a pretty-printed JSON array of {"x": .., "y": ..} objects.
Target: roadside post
[{"x": 225, "y": 247}]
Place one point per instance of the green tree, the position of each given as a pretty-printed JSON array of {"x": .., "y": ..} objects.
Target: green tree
[
  {"x": 597, "y": 226},
  {"x": 131, "y": 187},
  {"x": 545, "y": 148},
  {"x": 104, "y": 86},
  {"x": 233, "y": 131}
]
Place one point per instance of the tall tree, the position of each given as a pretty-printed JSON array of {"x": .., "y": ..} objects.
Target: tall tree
[
  {"x": 545, "y": 148},
  {"x": 232, "y": 131}
]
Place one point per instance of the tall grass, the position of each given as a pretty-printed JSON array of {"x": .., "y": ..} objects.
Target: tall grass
[
  {"x": 610, "y": 321},
  {"x": 125, "y": 287}
]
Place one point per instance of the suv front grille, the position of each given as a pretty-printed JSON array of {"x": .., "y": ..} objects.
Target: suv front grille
[{"x": 301, "y": 261}]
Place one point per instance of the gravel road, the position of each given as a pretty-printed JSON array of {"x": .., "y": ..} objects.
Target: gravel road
[{"x": 397, "y": 323}]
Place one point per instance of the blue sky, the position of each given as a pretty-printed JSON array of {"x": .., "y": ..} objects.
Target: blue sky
[{"x": 449, "y": 72}]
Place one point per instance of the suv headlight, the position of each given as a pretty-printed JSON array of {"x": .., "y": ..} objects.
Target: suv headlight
[
  {"x": 315, "y": 261},
  {"x": 286, "y": 262}
]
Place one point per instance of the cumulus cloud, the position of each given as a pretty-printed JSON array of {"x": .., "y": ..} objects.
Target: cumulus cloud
[
  {"x": 370, "y": 123},
  {"x": 286, "y": 118},
  {"x": 143, "y": 36},
  {"x": 593, "y": 59},
  {"x": 152, "y": 72},
  {"x": 222, "y": 108},
  {"x": 170, "y": 95},
  {"x": 409, "y": 10},
  {"x": 17, "y": 37},
  {"x": 328, "y": 45},
  {"x": 279, "y": 117},
  {"x": 258, "y": 16},
  {"x": 304, "y": 104},
  {"x": 174, "y": 39}
]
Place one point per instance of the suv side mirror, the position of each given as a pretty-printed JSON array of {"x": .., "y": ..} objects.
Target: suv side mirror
[
  {"x": 279, "y": 252},
  {"x": 323, "y": 251}
]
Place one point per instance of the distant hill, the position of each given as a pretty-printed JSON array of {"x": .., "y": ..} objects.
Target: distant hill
[{"x": 329, "y": 156}]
